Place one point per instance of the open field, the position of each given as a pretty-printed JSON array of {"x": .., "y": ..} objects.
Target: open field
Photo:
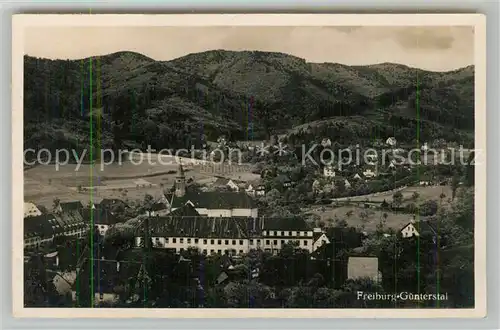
[
  {"x": 128, "y": 181},
  {"x": 394, "y": 220},
  {"x": 425, "y": 193}
]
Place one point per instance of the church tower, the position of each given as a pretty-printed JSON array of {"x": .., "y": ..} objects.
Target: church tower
[{"x": 180, "y": 183}]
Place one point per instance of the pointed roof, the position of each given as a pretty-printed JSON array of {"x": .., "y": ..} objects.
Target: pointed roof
[
  {"x": 99, "y": 216},
  {"x": 215, "y": 200},
  {"x": 108, "y": 202},
  {"x": 185, "y": 211},
  {"x": 180, "y": 172},
  {"x": 71, "y": 206},
  {"x": 221, "y": 182}
]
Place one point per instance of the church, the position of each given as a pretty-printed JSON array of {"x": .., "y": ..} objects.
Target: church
[{"x": 211, "y": 203}]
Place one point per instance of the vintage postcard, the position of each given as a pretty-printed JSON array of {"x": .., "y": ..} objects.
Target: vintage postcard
[{"x": 249, "y": 165}]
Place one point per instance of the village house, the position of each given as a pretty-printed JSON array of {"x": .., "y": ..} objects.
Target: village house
[
  {"x": 285, "y": 181},
  {"x": 369, "y": 173},
  {"x": 419, "y": 228},
  {"x": 31, "y": 210},
  {"x": 319, "y": 238},
  {"x": 211, "y": 203},
  {"x": 111, "y": 204},
  {"x": 371, "y": 158},
  {"x": 392, "y": 164},
  {"x": 158, "y": 208},
  {"x": 260, "y": 190},
  {"x": 71, "y": 222},
  {"x": 326, "y": 142},
  {"x": 226, "y": 183},
  {"x": 357, "y": 176},
  {"x": 250, "y": 190},
  {"x": 391, "y": 141},
  {"x": 328, "y": 171},
  {"x": 101, "y": 218},
  {"x": 225, "y": 235},
  {"x": 316, "y": 186},
  {"x": 40, "y": 230}
]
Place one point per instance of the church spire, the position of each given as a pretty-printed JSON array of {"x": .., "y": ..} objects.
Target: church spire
[
  {"x": 180, "y": 172},
  {"x": 180, "y": 182}
]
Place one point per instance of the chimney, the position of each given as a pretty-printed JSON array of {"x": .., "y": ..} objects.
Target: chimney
[
  {"x": 117, "y": 266},
  {"x": 413, "y": 219},
  {"x": 57, "y": 260}
]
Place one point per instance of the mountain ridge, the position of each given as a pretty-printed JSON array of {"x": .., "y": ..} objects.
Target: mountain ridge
[{"x": 198, "y": 96}]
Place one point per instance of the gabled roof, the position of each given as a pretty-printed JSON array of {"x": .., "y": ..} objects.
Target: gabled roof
[
  {"x": 316, "y": 236},
  {"x": 424, "y": 227},
  {"x": 216, "y": 200},
  {"x": 344, "y": 235},
  {"x": 30, "y": 209},
  {"x": 185, "y": 211},
  {"x": 158, "y": 207},
  {"x": 221, "y": 182},
  {"x": 43, "y": 226},
  {"x": 294, "y": 224},
  {"x": 390, "y": 140},
  {"x": 200, "y": 226},
  {"x": 178, "y": 225},
  {"x": 69, "y": 220},
  {"x": 99, "y": 216},
  {"x": 107, "y": 202},
  {"x": 71, "y": 206}
]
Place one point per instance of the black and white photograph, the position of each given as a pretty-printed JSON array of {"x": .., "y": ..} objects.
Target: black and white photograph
[{"x": 280, "y": 166}]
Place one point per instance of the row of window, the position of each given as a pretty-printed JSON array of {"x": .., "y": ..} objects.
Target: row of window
[
  {"x": 287, "y": 233},
  {"x": 226, "y": 242},
  {"x": 205, "y": 241},
  {"x": 212, "y": 251}
]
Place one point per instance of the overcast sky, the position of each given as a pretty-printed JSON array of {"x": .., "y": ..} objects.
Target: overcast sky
[{"x": 431, "y": 48}]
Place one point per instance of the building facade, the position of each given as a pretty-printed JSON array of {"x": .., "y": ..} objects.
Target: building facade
[{"x": 226, "y": 235}]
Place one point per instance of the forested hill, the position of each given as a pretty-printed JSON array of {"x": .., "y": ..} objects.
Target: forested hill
[{"x": 130, "y": 99}]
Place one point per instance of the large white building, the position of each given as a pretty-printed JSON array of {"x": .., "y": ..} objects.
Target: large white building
[{"x": 185, "y": 228}]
